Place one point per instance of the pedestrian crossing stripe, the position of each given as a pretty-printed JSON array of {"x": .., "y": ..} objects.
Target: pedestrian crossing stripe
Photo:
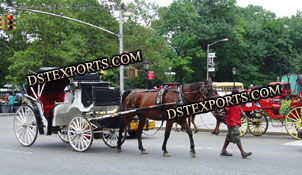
[{"x": 294, "y": 143}]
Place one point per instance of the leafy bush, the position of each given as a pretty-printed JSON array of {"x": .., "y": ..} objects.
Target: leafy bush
[{"x": 284, "y": 106}]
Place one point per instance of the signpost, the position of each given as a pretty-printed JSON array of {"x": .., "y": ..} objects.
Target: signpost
[
  {"x": 150, "y": 75},
  {"x": 211, "y": 65}
]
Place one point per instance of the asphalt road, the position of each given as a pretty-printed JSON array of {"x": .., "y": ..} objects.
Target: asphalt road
[{"x": 272, "y": 154}]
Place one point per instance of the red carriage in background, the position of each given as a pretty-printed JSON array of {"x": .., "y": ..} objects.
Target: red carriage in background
[{"x": 258, "y": 112}]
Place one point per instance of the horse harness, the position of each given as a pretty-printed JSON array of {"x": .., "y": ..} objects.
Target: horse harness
[{"x": 159, "y": 100}]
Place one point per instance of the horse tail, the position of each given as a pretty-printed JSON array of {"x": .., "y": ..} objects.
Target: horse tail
[{"x": 122, "y": 106}]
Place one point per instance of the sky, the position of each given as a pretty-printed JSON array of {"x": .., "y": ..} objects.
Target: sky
[{"x": 280, "y": 7}]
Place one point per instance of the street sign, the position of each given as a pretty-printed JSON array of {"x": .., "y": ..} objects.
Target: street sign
[
  {"x": 150, "y": 75},
  {"x": 211, "y": 54},
  {"x": 211, "y": 66},
  {"x": 211, "y": 69}
]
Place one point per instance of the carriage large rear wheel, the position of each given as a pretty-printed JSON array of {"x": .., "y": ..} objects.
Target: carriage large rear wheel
[
  {"x": 258, "y": 124},
  {"x": 244, "y": 126},
  {"x": 293, "y": 122},
  {"x": 80, "y": 134},
  {"x": 26, "y": 127},
  {"x": 111, "y": 135}
]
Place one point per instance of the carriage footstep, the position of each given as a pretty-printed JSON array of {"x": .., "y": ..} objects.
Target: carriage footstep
[
  {"x": 167, "y": 154},
  {"x": 144, "y": 152}
]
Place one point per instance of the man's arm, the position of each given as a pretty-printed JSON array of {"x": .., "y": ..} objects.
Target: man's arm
[{"x": 242, "y": 114}]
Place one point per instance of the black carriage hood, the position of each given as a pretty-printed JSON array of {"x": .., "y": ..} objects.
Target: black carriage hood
[{"x": 52, "y": 86}]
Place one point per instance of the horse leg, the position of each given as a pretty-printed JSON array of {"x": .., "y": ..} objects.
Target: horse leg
[
  {"x": 194, "y": 124},
  {"x": 169, "y": 125},
  {"x": 216, "y": 130},
  {"x": 189, "y": 121},
  {"x": 126, "y": 120},
  {"x": 192, "y": 146},
  {"x": 142, "y": 121}
]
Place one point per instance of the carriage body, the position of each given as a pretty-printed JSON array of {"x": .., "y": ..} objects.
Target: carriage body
[{"x": 76, "y": 109}]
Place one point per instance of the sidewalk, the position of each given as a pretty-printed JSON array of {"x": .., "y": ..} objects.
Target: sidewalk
[{"x": 207, "y": 122}]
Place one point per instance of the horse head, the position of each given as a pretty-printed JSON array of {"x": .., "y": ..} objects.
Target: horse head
[{"x": 209, "y": 91}]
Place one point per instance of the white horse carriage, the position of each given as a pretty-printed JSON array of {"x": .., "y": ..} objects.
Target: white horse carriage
[{"x": 78, "y": 110}]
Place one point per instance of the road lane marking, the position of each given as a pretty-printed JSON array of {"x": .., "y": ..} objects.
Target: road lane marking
[
  {"x": 294, "y": 143},
  {"x": 14, "y": 151},
  {"x": 3, "y": 140}
]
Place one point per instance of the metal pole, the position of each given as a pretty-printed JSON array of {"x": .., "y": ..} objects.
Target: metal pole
[
  {"x": 65, "y": 17},
  {"x": 234, "y": 87},
  {"x": 208, "y": 47},
  {"x": 146, "y": 80},
  {"x": 121, "y": 48}
]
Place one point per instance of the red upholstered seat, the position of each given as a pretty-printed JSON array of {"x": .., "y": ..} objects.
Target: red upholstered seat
[
  {"x": 48, "y": 100},
  {"x": 276, "y": 108}
]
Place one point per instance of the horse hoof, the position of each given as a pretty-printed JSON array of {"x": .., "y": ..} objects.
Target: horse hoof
[
  {"x": 192, "y": 154},
  {"x": 118, "y": 150},
  {"x": 217, "y": 133},
  {"x": 144, "y": 152},
  {"x": 166, "y": 154}
]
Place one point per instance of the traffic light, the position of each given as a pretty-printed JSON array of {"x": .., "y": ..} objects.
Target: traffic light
[
  {"x": 8, "y": 22},
  {"x": 11, "y": 22},
  {"x": 132, "y": 72}
]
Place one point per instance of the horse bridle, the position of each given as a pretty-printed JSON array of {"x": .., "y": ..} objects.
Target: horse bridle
[{"x": 203, "y": 89}]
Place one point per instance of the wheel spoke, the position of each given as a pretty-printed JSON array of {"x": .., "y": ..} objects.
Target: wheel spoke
[
  {"x": 82, "y": 144},
  {"x": 295, "y": 117},
  {"x": 30, "y": 132},
  {"x": 74, "y": 128},
  {"x": 20, "y": 119},
  {"x": 85, "y": 142}
]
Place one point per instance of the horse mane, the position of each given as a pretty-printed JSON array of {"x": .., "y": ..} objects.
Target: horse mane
[
  {"x": 193, "y": 85},
  {"x": 125, "y": 94}
]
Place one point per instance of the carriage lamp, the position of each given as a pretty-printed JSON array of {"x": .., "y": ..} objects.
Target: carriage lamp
[
  {"x": 146, "y": 65},
  {"x": 288, "y": 76},
  {"x": 234, "y": 73}
]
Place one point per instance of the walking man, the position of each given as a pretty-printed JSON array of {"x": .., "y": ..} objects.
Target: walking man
[{"x": 232, "y": 119}]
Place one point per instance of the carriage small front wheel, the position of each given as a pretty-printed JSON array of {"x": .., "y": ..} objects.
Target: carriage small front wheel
[
  {"x": 111, "y": 135},
  {"x": 80, "y": 134},
  {"x": 25, "y": 125}
]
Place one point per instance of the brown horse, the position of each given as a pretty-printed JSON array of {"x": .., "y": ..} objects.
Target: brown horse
[{"x": 140, "y": 98}]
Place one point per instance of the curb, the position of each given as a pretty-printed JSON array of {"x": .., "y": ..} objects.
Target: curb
[
  {"x": 6, "y": 114},
  {"x": 225, "y": 131}
]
